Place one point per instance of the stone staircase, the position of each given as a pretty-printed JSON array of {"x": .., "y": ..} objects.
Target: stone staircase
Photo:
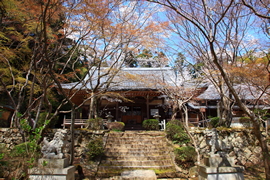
[
  {"x": 132, "y": 150},
  {"x": 132, "y": 127}
]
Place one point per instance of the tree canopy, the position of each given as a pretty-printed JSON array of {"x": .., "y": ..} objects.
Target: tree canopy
[{"x": 44, "y": 44}]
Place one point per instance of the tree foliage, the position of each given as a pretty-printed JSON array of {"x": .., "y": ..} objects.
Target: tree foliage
[
  {"x": 216, "y": 32},
  {"x": 47, "y": 43}
]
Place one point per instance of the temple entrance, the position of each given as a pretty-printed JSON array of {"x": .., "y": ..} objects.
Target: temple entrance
[{"x": 133, "y": 115}]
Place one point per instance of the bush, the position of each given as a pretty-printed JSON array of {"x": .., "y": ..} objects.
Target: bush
[
  {"x": 176, "y": 132},
  {"x": 214, "y": 122},
  {"x": 116, "y": 126},
  {"x": 185, "y": 156},
  {"x": 25, "y": 149},
  {"x": 3, "y": 163},
  {"x": 191, "y": 125},
  {"x": 122, "y": 123},
  {"x": 245, "y": 121},
  {"x": 151, "y": 124},
  {"x": 95, "y": 149},
  {"x": 94, "y": 124}
]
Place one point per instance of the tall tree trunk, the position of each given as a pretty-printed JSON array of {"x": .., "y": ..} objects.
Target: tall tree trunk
[
  {"x": 96, "y": 108},
  {"x": 221, "y": 103},
  {"x": 92, "y": 104},
  {"x": 231, "y": 104},
  {"x": 174, "y": 113},
  {"x": 190, "y": 136},
  {"x": 72, "y": 134},
  {"x": 186, "y": 115},
  {"x": 225, "y": 107}
]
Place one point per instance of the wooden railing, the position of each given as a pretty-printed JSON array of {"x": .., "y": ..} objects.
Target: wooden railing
[
  {"x": 77, "y": 122},
  {"x": 162, "y": 125},
  {"x": 82, "y": 122}
]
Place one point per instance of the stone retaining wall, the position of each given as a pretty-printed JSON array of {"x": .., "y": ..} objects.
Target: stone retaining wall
[
  {"x": 245, "y": 147},
  {"x": 11, "y": 137}
]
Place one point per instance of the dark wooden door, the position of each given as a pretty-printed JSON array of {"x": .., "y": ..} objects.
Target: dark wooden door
[{"x": 133, "y": 115}]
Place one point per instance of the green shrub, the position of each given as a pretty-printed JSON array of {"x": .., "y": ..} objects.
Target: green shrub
[
  {"x": 3, "y": 163},
  {"x": 214, "y": 122},
  {"x": 122, "y": 123},
  {"x": 25, "y": 149},
  {"x": 95, "y": 149},
  {"x": 245, "y": 121},
  {"x": 116, "y": 130},
  {"x": 151, "y": 124},
  {"x": 185, "y": 156},
  {"x": 191, "y": 125},
  {"x": 94, "y": 124},
  {"x": 176, "y": 132},
  {"x": 116, "y": 126}
]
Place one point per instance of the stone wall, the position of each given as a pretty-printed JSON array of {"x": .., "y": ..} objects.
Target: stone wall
[
  {"x": 81, "y": 139},
  {"x": 11, "y": 137},
  {"x": 244, "y": 146},
  {"x": 241, "y": 144}
]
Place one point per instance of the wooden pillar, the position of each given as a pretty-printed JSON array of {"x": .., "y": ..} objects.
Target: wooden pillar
[
  {"x": 147, "y": 106},
  {"x": 198, "y": 119},
  {"x": 116, "y": 113}
]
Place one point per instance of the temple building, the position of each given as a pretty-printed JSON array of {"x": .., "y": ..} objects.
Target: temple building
[{"x": 136, "y": 94}]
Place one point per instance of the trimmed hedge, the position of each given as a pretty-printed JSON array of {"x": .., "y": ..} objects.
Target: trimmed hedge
[
  {"x": 175, "y": 132},
  {"x": 214, "y": 122},
  {"x": 151, "y": 124}
]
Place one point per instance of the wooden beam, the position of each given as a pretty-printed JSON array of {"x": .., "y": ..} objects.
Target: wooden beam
[
  {"x": 147, "y": 106},
  {"x": 117, "y": 110}
]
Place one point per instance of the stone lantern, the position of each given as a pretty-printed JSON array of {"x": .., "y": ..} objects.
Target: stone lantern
[
  {"x": 156, "y": 116},
  {"x": 109, "y": 117}
]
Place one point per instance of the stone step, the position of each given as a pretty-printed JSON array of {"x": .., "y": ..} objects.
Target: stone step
[
  {"x": 121, "y": 168},
  {"x": 137, "y": 134},
  {"x": 146, "y": 149},
  {"x": 124, "y": 143},
  {"x": 135, "y": 153},
  {"x": 137, "y": 146},
  {"x": 137, "y": 137},
  {"x": 136, "y": 150},
  {"x": 137, "y": 163},
  {"x": 140, "y": 136},
  {"x": 143, "y": 139},
  {"x": 135, "y": 141},
  {"x": 169, "y": 173},
  {"x": 137, "y": 158},
  {"x": 117, "y": 174},
  {"x": 161, "y": 171}
]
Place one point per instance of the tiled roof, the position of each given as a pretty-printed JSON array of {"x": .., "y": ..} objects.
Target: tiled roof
[
  {"x": 131, "y": 79},
  {"x": 143, "y": 78},
  {"x": 244, "y": 91},
  {"x": 152, "y": 79}
]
